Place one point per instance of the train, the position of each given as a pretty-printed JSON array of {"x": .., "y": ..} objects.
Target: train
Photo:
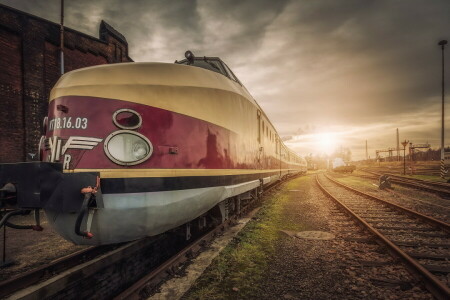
[{"x": 132, "y": 150}]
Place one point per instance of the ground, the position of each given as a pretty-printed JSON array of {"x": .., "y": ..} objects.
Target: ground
[{"x": 267, "y": 261}]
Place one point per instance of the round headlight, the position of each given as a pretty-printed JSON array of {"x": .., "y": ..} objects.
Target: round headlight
[
  {"x": 127, "y": 147},
  {"x": 127, "y": 119}
]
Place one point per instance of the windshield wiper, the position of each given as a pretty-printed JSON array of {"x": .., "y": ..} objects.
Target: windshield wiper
[{"x": 211, "y": 64}]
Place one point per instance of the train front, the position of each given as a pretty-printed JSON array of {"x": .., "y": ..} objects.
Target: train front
[
  {"x": 102, "y": 132},
  {"x": 99, "y": 142},
  {"x": 127, "y": 151}
]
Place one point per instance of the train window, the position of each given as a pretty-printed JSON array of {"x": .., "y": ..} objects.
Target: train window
[
  {"x": 127, "y": 119},
  {"x": 231, "y": 75},
  {"x": 214, "y": 64},
  {"x": 208, "y": 64}
]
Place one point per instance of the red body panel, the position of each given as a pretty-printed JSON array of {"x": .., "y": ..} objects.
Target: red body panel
[{"x": 201, "y": 145}]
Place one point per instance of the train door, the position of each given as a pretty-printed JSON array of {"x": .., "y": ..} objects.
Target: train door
[
  {"x": 260, "y": 133},
  {"x": 279, "y": 153}
]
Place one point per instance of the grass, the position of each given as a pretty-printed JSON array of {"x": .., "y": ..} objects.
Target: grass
[
  {"x": 357, "y": 182},
  {"x": 428, "y": 177},
  {"x": 239, "y": 270}
]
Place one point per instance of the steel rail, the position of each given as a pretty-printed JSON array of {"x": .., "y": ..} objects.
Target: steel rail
[
  {"x": 418, "y": 200},
  {"x": 33, "y": 276},
  {"x": 56, "y": 284},
  {"x": 161, "y": 272},
  {"x": 433, "y": 284},
  {"x": 442, "y": 225},
  {"x": 431, "y": 186},
  {"x": 410, "y": 182}
]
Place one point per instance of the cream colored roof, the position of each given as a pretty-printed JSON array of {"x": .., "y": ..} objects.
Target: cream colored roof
[{"x": 78, "y": 82}]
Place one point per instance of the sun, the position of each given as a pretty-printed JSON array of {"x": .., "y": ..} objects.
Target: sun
[{"x": 326, "y": 142}]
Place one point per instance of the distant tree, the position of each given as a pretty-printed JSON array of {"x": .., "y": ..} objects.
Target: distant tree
[{"x": 342, "y": 152}]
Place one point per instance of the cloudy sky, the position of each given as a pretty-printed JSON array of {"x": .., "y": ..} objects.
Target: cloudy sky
[{"x": 327, "y": 73}]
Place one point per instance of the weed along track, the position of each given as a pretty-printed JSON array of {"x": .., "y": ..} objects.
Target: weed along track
[{"x": 420, "y": 242}]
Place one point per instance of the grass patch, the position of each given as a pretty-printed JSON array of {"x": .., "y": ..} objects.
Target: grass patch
[
  {"x": 239, "y": 270},
  {"x": 357, "y": 182},
  {"x": 427, "y": 177}
]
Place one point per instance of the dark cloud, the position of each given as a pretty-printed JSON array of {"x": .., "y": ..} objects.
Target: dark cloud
[{"x": 354, "y": 66}]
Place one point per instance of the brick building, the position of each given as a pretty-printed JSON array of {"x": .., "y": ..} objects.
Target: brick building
[{"x": 29, "y": 64}]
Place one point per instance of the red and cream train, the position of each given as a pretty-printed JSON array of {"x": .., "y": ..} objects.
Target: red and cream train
[{"x": 165, "y": 143}]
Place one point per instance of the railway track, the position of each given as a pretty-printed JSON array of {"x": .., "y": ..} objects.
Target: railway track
[
  {"x": 440, "y": 188},
  {"x": 33, "y": 276},
  {"x": 442, "y": 208},
  {"x": 420, "y": 242},
  {"x": 119, "y": 271}
]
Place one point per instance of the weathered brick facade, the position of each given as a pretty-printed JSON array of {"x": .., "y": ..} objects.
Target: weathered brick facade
[{"x": 30, "y": 66}]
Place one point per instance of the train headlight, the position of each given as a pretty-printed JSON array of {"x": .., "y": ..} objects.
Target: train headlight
[
  {"x": 140, "y": 150},
  {"x": 127, "y": 147}
]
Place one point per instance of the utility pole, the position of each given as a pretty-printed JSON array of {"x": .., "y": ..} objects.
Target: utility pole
[
  {"x": 398, "y": 146},
  {"x": 442, "y": 44},
  {"x": 61, "y": 31},
  {"x": 367, "y": 153},
  {"x": 404, "y": 156}
]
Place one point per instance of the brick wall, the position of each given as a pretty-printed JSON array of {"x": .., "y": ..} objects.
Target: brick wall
[
  {"x": 29, "y": 60},
  {"x": 11, "y": 117}
]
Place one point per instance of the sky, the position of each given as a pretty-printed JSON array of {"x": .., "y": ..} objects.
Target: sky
[{"x": 327, "y": 73}]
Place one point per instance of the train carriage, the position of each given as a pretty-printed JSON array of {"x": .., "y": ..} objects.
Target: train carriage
[{"x": 163, "y": 143}]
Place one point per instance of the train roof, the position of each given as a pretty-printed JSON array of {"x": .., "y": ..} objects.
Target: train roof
[{"x": 139, "y": 74}]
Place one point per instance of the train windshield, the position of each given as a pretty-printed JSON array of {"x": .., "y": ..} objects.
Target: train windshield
[{"x": 210, "y": 63}]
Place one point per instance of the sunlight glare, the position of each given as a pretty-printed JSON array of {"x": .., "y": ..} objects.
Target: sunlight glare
[{"x": 326, "y": 142}]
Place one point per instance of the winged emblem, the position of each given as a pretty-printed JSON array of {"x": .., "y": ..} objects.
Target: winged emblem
[{"x": 80, "y": 142}]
